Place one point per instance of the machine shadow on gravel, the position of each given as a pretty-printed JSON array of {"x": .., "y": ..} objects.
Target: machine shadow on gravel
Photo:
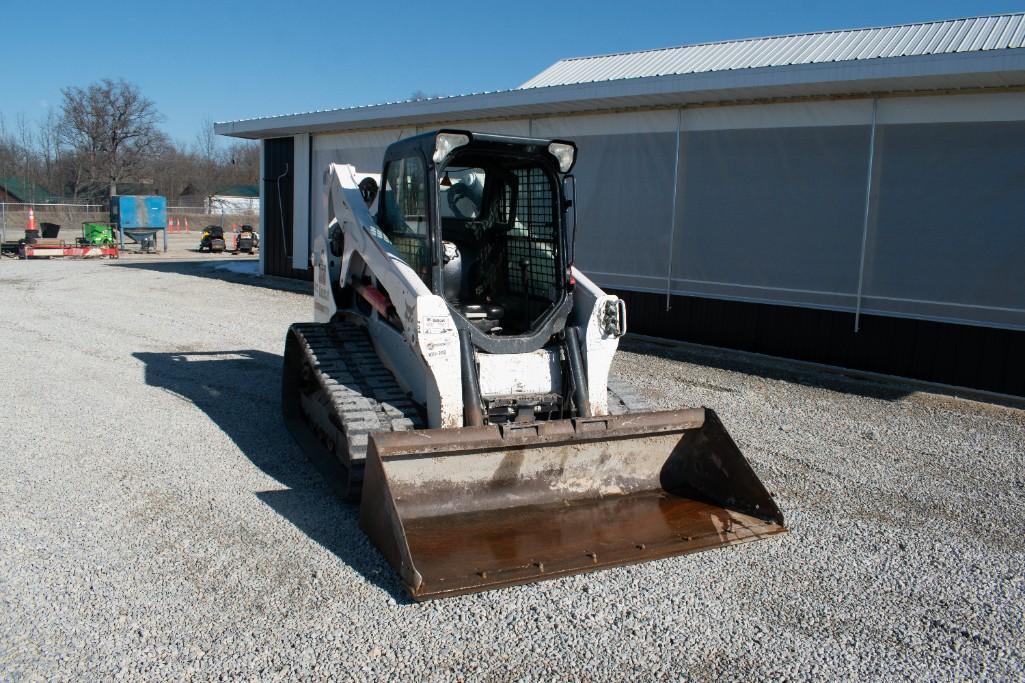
[
  {"x": 240, "y": 392},
  {"x": 207, "y": 268}
]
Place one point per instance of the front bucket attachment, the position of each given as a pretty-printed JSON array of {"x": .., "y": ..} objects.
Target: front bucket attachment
[{"x": 462, "y": 510}]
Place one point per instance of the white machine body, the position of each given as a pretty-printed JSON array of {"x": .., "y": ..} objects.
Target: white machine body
[{"x": 425, "y": 355}]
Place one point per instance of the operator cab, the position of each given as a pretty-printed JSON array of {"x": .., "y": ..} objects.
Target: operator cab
[{"x": 481, "y": 219}]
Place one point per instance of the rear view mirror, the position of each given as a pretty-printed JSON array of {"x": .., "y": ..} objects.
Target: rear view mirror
[{"x": 368, "y": 188}]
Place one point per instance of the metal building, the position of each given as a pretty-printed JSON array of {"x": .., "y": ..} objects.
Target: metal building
[{"x": 850, "y": 197}]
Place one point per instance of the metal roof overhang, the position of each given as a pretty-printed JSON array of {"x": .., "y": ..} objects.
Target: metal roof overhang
[{"x": 957, "y": 71}]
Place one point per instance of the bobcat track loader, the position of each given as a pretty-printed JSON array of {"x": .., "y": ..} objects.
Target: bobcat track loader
[{"x": 456, "y": 380}]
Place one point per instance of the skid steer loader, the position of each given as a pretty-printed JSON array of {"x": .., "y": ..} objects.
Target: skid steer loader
[{"x": 457, "y": 380}]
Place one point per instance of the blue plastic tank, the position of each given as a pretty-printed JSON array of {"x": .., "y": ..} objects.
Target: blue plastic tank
[{"x": 138, "y": 211}]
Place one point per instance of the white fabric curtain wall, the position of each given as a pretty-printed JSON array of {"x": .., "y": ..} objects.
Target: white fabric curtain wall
[{"x": 771, "y": 201}]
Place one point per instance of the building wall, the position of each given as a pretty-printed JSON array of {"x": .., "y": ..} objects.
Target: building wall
[
  {"x": 233, "y": 205},
  {"x": 987, "y": 358},
  {"x": 796, "y": 207},
  {"x": 277, "y": 244}
]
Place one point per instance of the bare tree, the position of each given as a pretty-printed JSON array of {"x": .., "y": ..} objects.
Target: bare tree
[
  {"x": 111, "y": 129},
  {"x": 216, "y": 166},
  {"x": 173, "y": 172},
  {"x": 206, "y": 141},
  {"x": 26, "y": 143},
  {"x": 105, "y": 134},
  {"x": 420, "y": 95},
  {"x": 244, "y": 159},
  {"x": 48, "y": 147},
  {"x": 18, "y": 157},
  {"x": 207, "y": 162}
]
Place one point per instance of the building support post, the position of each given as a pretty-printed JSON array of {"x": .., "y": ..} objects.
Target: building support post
[
  {"x": 301, "y": 242},
  {"x": 868, "y": 211},
  {"x": 262, "y": 223},
  {"x": 672, "y": 220}
]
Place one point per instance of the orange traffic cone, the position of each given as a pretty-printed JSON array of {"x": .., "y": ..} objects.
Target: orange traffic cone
[
  {"x": 31, "y": 229},
  {"x": 186, "y": 224}
]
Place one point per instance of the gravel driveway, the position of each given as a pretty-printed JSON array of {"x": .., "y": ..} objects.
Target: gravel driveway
[{"x": 157, "y": 521}]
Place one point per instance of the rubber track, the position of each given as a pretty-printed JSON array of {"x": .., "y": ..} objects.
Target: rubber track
[
  {"x": 365, "y": 398},
  {"x": 358, "y": 393},
  {"x": 623, "y": 398}
]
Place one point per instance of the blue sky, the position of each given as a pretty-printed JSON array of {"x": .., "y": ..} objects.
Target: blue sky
[{"x": 222, "y": 60}]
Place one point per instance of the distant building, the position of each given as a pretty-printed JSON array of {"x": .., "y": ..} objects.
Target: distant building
[
  {"x": 849, "y": 197},
  {"x": 237, "y": 199},
  {"x": 19, "y": 190}
]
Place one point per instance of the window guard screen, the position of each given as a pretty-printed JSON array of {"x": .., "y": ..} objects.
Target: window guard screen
[{"x": 532, "y": 240}]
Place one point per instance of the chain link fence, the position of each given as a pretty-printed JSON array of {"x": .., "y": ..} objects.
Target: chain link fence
[{"x": 70, "y": 217}]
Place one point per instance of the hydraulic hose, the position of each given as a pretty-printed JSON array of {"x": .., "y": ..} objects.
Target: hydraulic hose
[
  {"x": 473, "y": 416},
  {"x": 576, "y": 369}
]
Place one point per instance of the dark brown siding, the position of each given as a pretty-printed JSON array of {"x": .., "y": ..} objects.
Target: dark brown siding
[
  {"x": 985, "y": 358},
  {"x": 278, "y": 183}
]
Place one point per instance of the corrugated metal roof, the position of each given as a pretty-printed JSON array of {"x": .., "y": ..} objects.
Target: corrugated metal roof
[
  {"x": 999, "y": 32},
  {"x": 239, "y": 191},
  {"x": 25, "y": 190},
  {"x": 958, "y": 54}
]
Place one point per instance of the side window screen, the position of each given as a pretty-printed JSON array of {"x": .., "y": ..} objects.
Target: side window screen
[{"x": 403, "y": 215}]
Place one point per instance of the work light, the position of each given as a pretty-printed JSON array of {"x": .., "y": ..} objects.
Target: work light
[
  {"x": 446, "y": 142},
  {"x": 565, "y": 152}
]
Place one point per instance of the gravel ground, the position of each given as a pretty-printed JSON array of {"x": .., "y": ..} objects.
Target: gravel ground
[{"x": 157, "y": 521}]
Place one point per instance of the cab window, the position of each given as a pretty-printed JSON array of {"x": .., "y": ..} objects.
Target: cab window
[
  {"x": 403, "y": 214},
  {"x": 461, "y": 192}
]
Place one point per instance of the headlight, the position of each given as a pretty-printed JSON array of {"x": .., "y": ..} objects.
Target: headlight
[
  {"x": 446, "y": 142},
  {"x": 565, "y": 153}
]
